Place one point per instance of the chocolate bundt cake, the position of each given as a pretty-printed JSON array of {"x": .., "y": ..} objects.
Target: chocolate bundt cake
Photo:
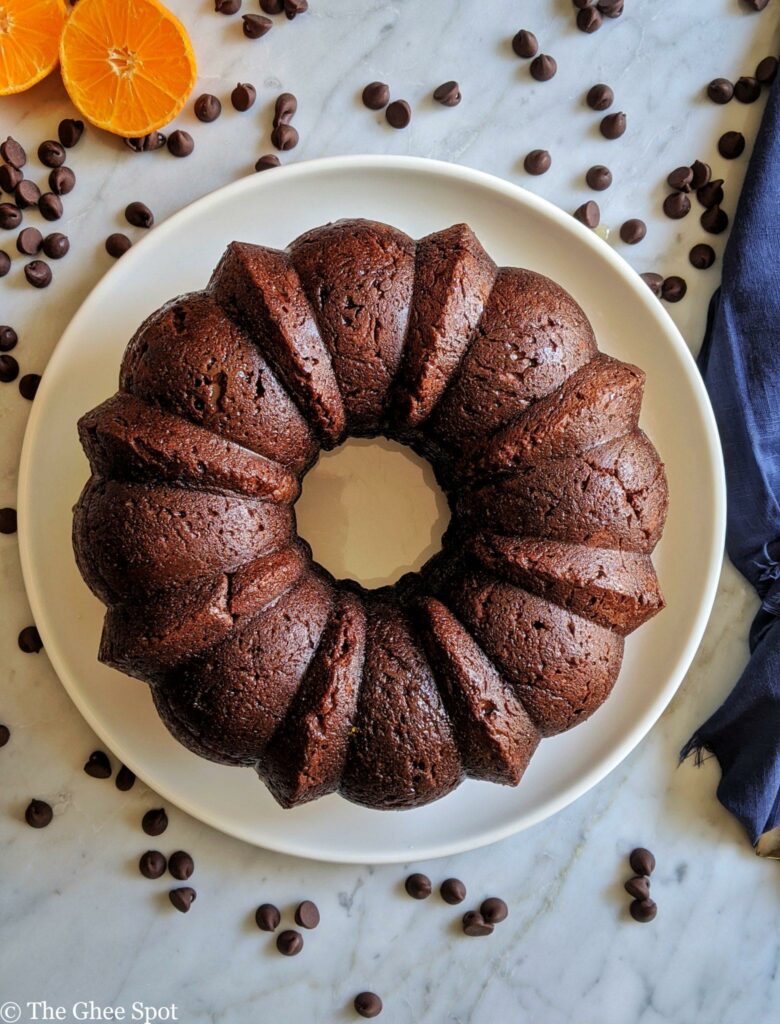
[{"x": 255, "y": 654}]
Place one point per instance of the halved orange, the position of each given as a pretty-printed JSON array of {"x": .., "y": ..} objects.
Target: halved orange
[
  {"x": 128, "y": 65},
  {"x": 29, "y": 41}
]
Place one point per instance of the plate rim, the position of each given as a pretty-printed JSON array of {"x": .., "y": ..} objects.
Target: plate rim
[{"x": 520, "y": 195}]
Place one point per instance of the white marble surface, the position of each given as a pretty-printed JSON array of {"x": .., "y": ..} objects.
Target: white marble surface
[{"x": 77, "y": 922}]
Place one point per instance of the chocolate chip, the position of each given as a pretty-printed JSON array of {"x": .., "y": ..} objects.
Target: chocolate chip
[
  {"x": 610, "y": 8},
  {"x": 117, "y": 244},
  {"x": 654, "y": 282},
  {"x": 9, "y": 178},
  {"x": 633, "y": 231},
  {"x": 537, "y": 162},
  {"x": 285, "y": 137},
  {"x": 600, "y": 97},
  {"x": 720, "y": 90},
  {"x": 5, "y": 263},
  {"x": 638, "y": 887},
  {"x": 589, "y": 19},
  {"x": 272, "y": 6},
  {"x": 702, "y": 256},
  {"x": 307, "y": 914},
  {"x": 28, "y": 385},
  {"x": 289, "y": 942},
  {"x": 711, "y": 194},
  {"x": 180, "y": 143},
  {"x": 56, "y": 245},
  {"x": 9, "y": 371},
  {"x": 50, "y": 206},
  {"x": 588, "y": 214},
  {"x": 714, "y": 220},
  {"x": 580, "y": 4},
  {"x": 155, "y": 822},
  {"x": 38, "y": 814},
  {"x": 29, "y": 241},
  {"x": 494, "y": 910},
  {"x": 285, "y": 108},
  {"x": 475, "y": 924},
  {"x": 292, "y": 8},
  {"x": 672, "y": 290},
  {"x": 599, "y": 178},
  {"x": 680, "y": 178},
  {"x": 207, "y": 108},
  {"x": 613, "y": 125},
  {"x": 525, "y": 44},
  {"x": 543, "y": 67},
  {"x": 139, "y": 215},
  {"x": 98, "y": 765},
  {"x": 13, "y": 153},
  {"x": 766, "y": 72},
  {"x": 267, "y": 917},
  {"x": 418, "y": 886},
  {"x": 5, "y": 732},
  {"x": 731, "y": 145},
  {"x": 10, "y": 216},
  {"x": 452, "y": 891},
  {"x": 181, "y": 865},
  {"x": 701, "y": 174},
  {"x": 376, "y": 95},
  {"x": 182, "y": 898},
  {"x": 8, "y": 338},
  {"x": 51, "y": 153},
  {"x": 62, "y": 180},
  {"x": 38, "y": 274},
  {"x": 398, "y": 114},
  {"x": 368, "y": 1004},
  {"x": 747, "y": 90},
  {"x": 677, "y": 205},
  {"x": 147, "y": 143},
  {"x": 243, "y": 96},
  {"x": 448, "y": 94},
  {"x": 26, "y": 194},
  {"x": 265, "y": 163},
  {"x": 70, "y": 131},
  {"x": 152, "y": 864},
  {"x": 227, "y": 6},
  {"x": 7, "y": 520},
  {"x": 256, "y": 26},
  {"x": 125, "y": 779},
  {"x": 643, "y": 911}
]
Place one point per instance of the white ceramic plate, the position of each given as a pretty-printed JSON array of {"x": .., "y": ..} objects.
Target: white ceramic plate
[{"x": 419, "y": 196}]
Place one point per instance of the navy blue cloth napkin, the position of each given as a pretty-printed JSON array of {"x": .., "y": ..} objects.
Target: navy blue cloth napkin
[{"x": 740, "y": 363}]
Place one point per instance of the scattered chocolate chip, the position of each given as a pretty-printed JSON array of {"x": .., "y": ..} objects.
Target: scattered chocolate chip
[
  {"x": 125, "y": 779},
  {"x": 9, "y": 178},
  {"x": 117, "y": 244},
  {"x": 5, "y": 733},
  {"x": 289, "y": 942},
  {"x": 29, "y": 241},
  {"x": 267, "y": 917},
  {"x": 537, "y": 162},
  {"x": 731, "y": 145},
  {"x": 588, "y": 214},
  {"x": 418, "y": 886},
  {"x": 376, "y": 95},
  {"x": 272, "y": 6},
  {"x": 26, "y": 194},
  {"x": 610, "y": 8},
  {"x": 368, "y": 1004},
  {"x": 285, "y": 137},
  {"x": 38, "y": 814},
  {"x": 243, "y": 96},
  {"x": 181, "y": 865},
  {"x": 98, "y": 765},
  {"x": 680, "y": 179},
  {"x": 38, "y": 274},
  {"x": 677, "y": 205},
  {"x": 9, "y": 371},
  {"x": 766, "y": 72},
  {"x": 5, "y": 263},
  {"x": 475, "y": 924},
  {"x": 70, "y": 131},
  {"x": 600, "y": 97},
  {"x": 147, "y": 143},
  {"x": 494, "y": 910},
  {"x": 227, "y": 6},
  {"x": 182, "y": 898},
  {"x": 7, "y": 520},
  {"x": 62, "y": 180},
  {"x": 307, "y": 915},
  {"x": 256, "y": 25},
  {"x": 155, "y": 822},
  {"x": 589, "y": 19},
  {"x": 207, "y": 108},
  {"x": 701, "y": 174},
  {"x": 139, "y": 215},
  {"x": 452, "y": 891},
  {"x": 543, "y": 67},
  {"x": 720, "y": 90},
  {"x": 285, "y": 108},
  {"x": 292, "y": 8},
  {"x": 654, "y": 282},
  {"x": 633, "y": 231},
  {"x": 50, "y": 206},
  {"x": 643, "y": 910},
  {"x": 398, "y": 114},
  {"x": 8, "y": 338},
  {"x": 51, "y": 153},
  {"x": 599, "y": 178},
  {"x": 747, "y": 90},
  {"x": 265, "y": 163},
  {"x": 715, "y": 220},
  {"x": 638, "y": 887},
  {"x": 702, "y": 256},
  {"x": 180, "y": 143},
  {"x": 613, "y": 125},
  {"x": 448, "y": 94},
  {"x": 56, "y": 245},
  {"x": 672, "y": 290},
  {"x": 28, "y": 385},
  {"x": 10, "y": 216},
  {"x": 13, "y": 153},
  {"x": 152, "y": 864},
  {"x": 525, "y": 44},
  {"x": 711, "y": 194}
]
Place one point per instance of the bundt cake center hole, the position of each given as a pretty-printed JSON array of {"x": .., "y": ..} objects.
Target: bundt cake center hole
[{"x": 372, "y": 511}]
